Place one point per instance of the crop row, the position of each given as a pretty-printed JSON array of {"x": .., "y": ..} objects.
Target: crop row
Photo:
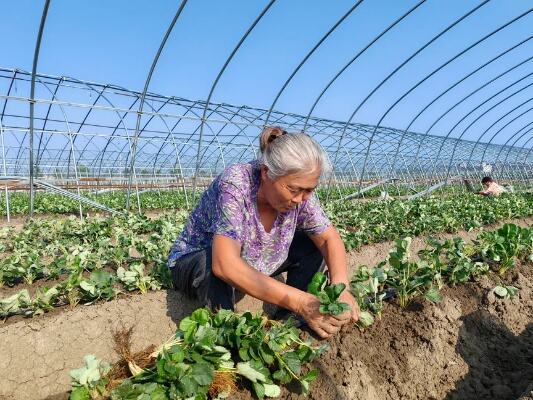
[
  {"x": 77, "y": 261},
  {"x": 448, "y": 262},
  {"x": 90, "y": 260},
  {"x": 211, "y": 352},
  {"x": 45, "y": 203},
  {"x": 178, "y": 199},
  {"x": 376, "y": 221}
]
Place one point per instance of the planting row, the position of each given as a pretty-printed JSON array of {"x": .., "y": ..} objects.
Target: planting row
[
  {"x": 19, "y": 203},
  {"x": 212, "y": 353},
  {"x": 371, "y": 222},
  {"x": 179, "y": 198},
  {"x": 101, "y": 257},
  {"x": 208, "y": 355},
  {"x": 85, "y": 261},
  {"x": 448, "y": 262}
]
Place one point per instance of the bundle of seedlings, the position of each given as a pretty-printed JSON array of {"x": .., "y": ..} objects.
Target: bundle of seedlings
[{"x": 209, "y": 357}]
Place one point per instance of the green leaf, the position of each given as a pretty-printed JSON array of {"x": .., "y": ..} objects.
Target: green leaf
[
  {"x": 500, "y": 291},
  {"x": 246, "y": 370},
  {"x": 365, "y": 319},
  {"x": 282, "y": 376},
  {"x": 317, "y": 284},
  {"x": 512, "y": 291},
  {"x": 292, "y": 361},
  {"x": 272, "y": 390},
  {"x": 201, "y": 316},
  {"x": 433, "y": 295},
  {"x": 259, "y": 390},
  {"x": 310, "y": 376},
  {"x": 80, "y": 393},
  {"x": 266, "y": 354},
  {"x": 203, "y": 373}
]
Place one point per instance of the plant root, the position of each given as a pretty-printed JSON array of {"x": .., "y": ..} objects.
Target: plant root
[
  {"x": 130, "y": 363},
  {"x": 223, "y": 383}
]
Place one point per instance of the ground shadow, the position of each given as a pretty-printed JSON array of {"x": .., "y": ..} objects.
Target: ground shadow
[
  {"x": 179, "y": 305},
  {"x": 500, "y": 363}
]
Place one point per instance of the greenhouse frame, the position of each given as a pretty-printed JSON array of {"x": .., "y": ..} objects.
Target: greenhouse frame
[{"x": 74, "y": 137}]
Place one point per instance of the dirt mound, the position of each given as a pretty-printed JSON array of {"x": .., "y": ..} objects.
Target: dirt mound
[{"x": 471, "y": 346}]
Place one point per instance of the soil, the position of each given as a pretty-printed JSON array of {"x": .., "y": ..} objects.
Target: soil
[{"x": 471, "y": 346}]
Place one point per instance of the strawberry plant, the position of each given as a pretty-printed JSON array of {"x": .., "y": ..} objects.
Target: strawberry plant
[
  {"x": 367, "y": 286},
  {"x": 328, "y": 294},
  {"x": 505, "y": 292},
  {"x": 504, "y": 246},
  {"x": 98, "y": 286},
  {"x": 89, "y": 381},
  {"x": 211, "y": 352},
  {"x": 19, "y": 303},
  {"x": 410, "y": 279},
  {"x": 45, "y": 300},
  {"x": 135, "y": 279}
]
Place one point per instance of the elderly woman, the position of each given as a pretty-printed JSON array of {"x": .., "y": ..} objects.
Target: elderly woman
[
  {"x": 257, "y": 220},
  {"x": 490, "y": 187}
]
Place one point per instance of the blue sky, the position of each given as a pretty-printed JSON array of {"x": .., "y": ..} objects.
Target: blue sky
[{"x": 115, "y": 42}]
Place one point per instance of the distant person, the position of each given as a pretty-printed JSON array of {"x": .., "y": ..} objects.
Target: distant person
[
  {"x": 257, "y": 220},
  {"x": 491, "y": 188}
]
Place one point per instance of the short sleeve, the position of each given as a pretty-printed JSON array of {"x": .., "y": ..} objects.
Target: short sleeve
[
  {"x": 229, "y": 212},
  {"x": 311, "y": 218}
]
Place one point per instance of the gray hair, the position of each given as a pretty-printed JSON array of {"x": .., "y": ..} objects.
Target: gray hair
[{"x": 294, "y": 153}]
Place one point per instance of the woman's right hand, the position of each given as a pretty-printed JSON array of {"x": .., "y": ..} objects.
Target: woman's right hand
[{"x": 324, "y": 325}]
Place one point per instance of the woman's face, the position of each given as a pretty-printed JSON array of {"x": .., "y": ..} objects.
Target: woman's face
[{"x": 288, "y": 191}]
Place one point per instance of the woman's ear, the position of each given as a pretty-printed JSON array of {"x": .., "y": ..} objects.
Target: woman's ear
[{"x": 264, "y": 171}]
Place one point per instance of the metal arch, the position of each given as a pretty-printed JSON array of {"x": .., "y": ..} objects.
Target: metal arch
[
  {"x": 326, "y": 88},
  {"x": 216, "y": 138},
  {"x": 482, "y": 114},
  {"x": 145, "y": 90},
  {"x": 215, "y": 135},
  {"x": 309, "y": 54},
  {"x": 69, "y": 134},
  {"x": 5, "y": 169},
  {"x": 221, "y": 72},
  {"x": 65, "y": 119},
  {"x": 132, "y": 170},
  {"x": 499, "y": 130},
  {"x": 465, "y": 98},
  {"x": 32, "y": 98},
  {"x": 121, "y": 121},
  {"x": 58, "y": 84},
  {"x": 171, "y": 132},
  {"x": 458, "y": 83},
  {"x": 100, "y": 94},
  {"x": 178, "y": 153},
  {"x": 529, "y": 151},
  {"x": 15, "y": 72},
  {"x": 427, "y": 76},
  {"x": 230, "y": 121},
  {"x": 510, "y": 147},
  {"x": 113, "y": 136},
  {"x": 250, "y": 120},
  {"x": 521, "y": 151},
  {"x": 153, "y": 116},
  {"x": 53, "y": 93}
]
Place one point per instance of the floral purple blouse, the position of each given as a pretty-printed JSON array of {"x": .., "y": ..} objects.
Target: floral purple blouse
[{"x": 229, "y": 207}]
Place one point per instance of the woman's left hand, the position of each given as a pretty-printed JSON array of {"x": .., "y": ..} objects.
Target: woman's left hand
[{"x": 346, "y": 297}]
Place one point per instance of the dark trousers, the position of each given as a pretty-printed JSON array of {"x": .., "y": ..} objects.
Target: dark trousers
[{"x": 193, "y": 276}]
